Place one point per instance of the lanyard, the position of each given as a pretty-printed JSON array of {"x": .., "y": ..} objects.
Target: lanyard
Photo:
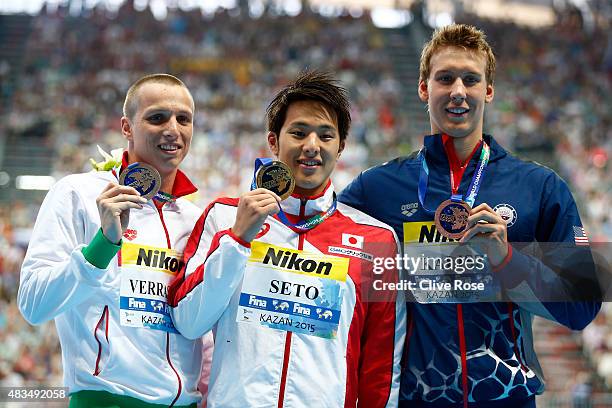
[
  {"x": 473, "y": 189},
  {"x": 304, "y": 225}
]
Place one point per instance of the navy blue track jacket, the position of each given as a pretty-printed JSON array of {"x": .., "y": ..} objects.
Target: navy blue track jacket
[{"x": 475, "y": 353}]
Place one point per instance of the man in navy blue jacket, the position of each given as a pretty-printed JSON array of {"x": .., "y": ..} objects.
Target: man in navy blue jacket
[{"x": 477, "y": 354}]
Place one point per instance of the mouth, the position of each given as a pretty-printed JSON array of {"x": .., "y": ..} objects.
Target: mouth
[
  {"x": 169, "y": 148},
  {"x": 309, "y": 164},
  {"x": 457, "y": 112}
]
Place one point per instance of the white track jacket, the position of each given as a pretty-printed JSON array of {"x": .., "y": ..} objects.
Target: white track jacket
[
  {"x": 258, "y": 366},
  {"x": 110, "y": 321}
]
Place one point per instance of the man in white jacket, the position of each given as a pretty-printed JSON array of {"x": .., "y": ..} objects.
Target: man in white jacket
[
  {"x": 286, "y": 285},
  {"x": 101, "y": 257}
]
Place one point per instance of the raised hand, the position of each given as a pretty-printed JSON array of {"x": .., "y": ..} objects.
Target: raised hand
[
  {"x": 114, "y": 204},
  {"x": 253, "y": 209},
  {"x": 488, "y": 229}
]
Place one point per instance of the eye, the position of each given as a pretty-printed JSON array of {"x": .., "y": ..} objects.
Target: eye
[
  {"x": 155, "y": 118},
  {"x": 445, "y": 79},
  {"x": 471, "y": 79},
  {"x": 183, "y": 119},
  {"x": 327, "y": 136},
  {"x": 297, "y": 132}
]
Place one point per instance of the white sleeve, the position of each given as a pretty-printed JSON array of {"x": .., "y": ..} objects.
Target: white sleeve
[
  {"x": 55, "y": 276},
  {"x": 215, "y": 264}
]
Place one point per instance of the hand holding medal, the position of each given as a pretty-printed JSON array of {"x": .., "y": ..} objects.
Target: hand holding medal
[
  {"x": 484, "y": 226},
  {"x": 138, "y": 183},
  {"x": 114, "y": 204},
  {"x": 253, "y": 209}
]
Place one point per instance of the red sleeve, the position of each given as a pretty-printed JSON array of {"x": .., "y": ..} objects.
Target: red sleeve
[{"x": 381, "y": 339}]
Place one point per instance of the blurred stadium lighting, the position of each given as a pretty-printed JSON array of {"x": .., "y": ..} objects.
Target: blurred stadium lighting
[
  {"x": 368, "y": 4},
  {"x": 34, "y": 182},
  {"x": 440, "y": 19},
  {"x": 4, "y": 178},
  {"x": 439, "y": 12},
  {"x": 292, "y": 7},
  {"x": 522, "y": 13},
  {"x": 140, "y": 5},
  {"x": 390, "y": 18},
  {"x": 256, "y": 8},
  {"x": 159, "y": 10}
]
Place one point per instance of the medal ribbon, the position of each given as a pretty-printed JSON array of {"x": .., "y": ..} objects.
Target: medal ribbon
[
  {"x": 304, "y": 225},
  {"x": 472, "y": 190}
]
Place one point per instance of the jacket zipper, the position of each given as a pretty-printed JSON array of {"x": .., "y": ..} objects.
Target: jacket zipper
[
  {"x": 287, "y": 352},
  {"x": 103, "y": 318},
  {"x": 180, "y": 382}
]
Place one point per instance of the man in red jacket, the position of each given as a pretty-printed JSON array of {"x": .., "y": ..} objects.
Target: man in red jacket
[{"x": 284, "y": 283}]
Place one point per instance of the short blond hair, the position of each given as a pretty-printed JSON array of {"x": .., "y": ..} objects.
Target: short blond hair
[
  {"x": 458, "y": 35},
  {"x": 130, "y": 105}
]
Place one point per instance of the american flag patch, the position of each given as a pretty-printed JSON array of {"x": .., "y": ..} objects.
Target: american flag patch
[{"x": 580, "y": 236}]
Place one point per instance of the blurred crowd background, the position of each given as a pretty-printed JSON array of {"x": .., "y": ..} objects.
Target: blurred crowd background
[{"x": 64, "y": 72}]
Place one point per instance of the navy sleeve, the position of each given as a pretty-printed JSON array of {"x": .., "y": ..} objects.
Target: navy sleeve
[
  {"x": 353, "y": 195},
  {"x": 563, "y": 274}
]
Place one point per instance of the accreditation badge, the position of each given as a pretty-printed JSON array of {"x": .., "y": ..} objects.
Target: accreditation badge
[
  {"x": 293, "y": 290},
  {"x": 451, "y": 218},
  {"x": 146, "y": 272},
  {"x": 276, "y": 177},
  {"x": 439, "y": 270},
  {"x": 142, "y": 177}
]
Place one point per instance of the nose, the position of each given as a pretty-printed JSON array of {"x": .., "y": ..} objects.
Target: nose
[
  {"x": 311, "y": 144},
  {"x": 458, "y": 91},
  {"x": 172, "y": 128}
]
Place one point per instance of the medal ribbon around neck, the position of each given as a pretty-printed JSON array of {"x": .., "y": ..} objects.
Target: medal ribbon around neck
[
  {"x": 305, "y": 225},
  {"x": 473, "y": 189}
]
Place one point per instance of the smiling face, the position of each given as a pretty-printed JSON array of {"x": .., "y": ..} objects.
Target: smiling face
[
  {"x": 160, "y": 131},
  {"x": 456, "y": 92},
  {"x": 309, "y": 143}
]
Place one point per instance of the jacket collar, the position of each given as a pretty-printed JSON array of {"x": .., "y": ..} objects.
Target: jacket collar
[
  {"x": 437, "y": 155},
  {"x": 313, "y": 204},
  {"x": 182, "y": 185}
]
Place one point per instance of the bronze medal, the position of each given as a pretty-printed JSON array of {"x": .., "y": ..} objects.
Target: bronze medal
[{"x": 451, "y": 218}]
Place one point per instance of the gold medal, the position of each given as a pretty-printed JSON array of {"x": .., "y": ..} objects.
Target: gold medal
[{"x": 276, "y": 177}]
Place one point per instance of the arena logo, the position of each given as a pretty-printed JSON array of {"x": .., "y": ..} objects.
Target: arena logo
[
  {"x": 130, "y": 234},
  {"x": 409, "y": 209},
  {"x": 507, "y": 212}
]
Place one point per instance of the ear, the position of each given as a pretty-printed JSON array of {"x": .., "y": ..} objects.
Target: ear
[
  {"x": 490, "y": 93},
  {"x": 273, "y": 143},
  {"x": 126, "y": 128},
  {"x": 423, "y": 92},
  {"x": 341, "y": 148}
]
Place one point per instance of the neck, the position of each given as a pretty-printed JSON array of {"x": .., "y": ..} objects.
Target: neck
[
  {"x": 464, "y": 146},
  {"x": 310, "y": 192},
  {"x": 167, "y": 182}
]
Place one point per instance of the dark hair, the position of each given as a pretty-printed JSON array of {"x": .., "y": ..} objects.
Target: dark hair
[{"x": 311, "y": 86}]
